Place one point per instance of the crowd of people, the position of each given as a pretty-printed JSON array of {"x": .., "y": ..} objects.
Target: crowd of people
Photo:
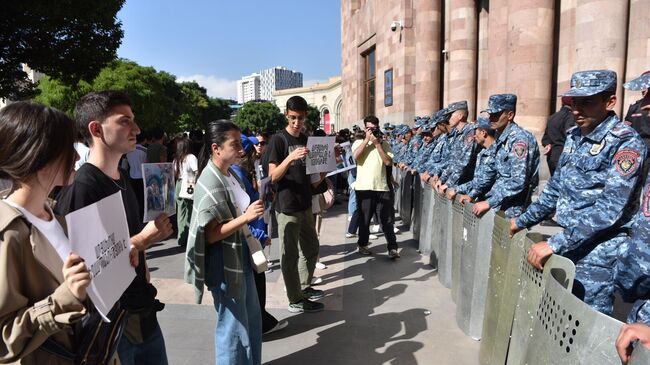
[{"x": 56, "y": 165}]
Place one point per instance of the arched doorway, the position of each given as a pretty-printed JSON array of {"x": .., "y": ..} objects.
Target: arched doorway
[{"x": 327, "y": 125}]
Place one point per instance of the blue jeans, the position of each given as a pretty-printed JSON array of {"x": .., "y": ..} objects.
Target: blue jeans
[
  {"x": 152, "y": 351},
  {"x": 238, "y": 336}
]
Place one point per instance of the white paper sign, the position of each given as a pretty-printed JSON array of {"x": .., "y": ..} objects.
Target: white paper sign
[
  {"x": 345, "y": 161},
  {"x": 99, "y": 234},
  {"x": 321, "y": 156},
  {"x": 159, "y": 190}
]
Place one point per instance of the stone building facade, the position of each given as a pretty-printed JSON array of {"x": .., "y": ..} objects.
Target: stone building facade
[
  {"x": 407, "y": 58},
  {"x": 326, "y": 97}
]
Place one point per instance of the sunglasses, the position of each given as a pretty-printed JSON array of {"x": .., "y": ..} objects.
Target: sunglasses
[{"x": 262, "y": 143}]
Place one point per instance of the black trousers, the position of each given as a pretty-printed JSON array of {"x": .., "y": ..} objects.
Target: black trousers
[
  {"x": 380, "y": 202},
  {"x": 268, "y": 321}
]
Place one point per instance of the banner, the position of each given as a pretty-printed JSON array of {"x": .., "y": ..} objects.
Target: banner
[
  {"x": 99, "y": 234},
  {"x": 321, "y": 157},
  {"x": 159, "y": 190},
  {"x": 345, "y": 161}
]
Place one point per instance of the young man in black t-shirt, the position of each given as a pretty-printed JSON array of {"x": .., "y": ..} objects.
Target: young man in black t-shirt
[
  {"x": 292, "y": 205},
  {"x": 106, "y": 121}
]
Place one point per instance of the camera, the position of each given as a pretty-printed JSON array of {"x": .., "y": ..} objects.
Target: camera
[
  {"x": 377, "y": 133},
  {"x": 396, "y": 24}
]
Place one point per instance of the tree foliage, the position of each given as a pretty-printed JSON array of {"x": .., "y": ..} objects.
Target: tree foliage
[
  {"x": 69, "y": 40},
  {"x": 260, "y": 116},
  {"x": 313, "y": 118},
  {"x": 157, "y": 99}
]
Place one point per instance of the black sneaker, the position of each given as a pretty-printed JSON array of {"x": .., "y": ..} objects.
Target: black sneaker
[
  {"x": 313, "y": 294},
  {"x": 364, "y": 251},
  {"x": 305, "y": 306}
]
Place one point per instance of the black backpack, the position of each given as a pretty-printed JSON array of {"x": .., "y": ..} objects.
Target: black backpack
[{"x": 98, "y": 340}]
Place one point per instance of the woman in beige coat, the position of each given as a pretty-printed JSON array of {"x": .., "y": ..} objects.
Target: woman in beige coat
[{"x": 41, "y": 296}]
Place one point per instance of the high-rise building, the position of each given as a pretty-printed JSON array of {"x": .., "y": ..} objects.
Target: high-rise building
[
  {"x": 278, "y": 78},
  {"x": 248, "y": 88}
]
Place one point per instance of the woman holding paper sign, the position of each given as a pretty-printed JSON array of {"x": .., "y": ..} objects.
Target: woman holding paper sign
[
  {"x": 42, "y": 297},
  {"x": 220, "y": 245}
]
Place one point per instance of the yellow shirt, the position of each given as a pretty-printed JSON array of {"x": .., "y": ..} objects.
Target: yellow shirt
[{"x": 371, "y": 171}]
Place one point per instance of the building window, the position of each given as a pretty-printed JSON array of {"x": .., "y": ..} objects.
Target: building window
[
  {"x": 388, "y": 87},
  {"x": 369, "y": 82}
]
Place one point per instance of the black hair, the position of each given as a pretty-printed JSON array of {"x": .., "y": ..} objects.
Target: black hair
[
  {"x": 156, "y": 133},
  {"x": 320, "y": 133},
  {"x": 33, "y": 136},
  {"x": 183, "y": 148},
  {"x": 216, "y": 132},
  {"x": 97, "y": 106},
  {"x": 297, "y": 104},
  {"x": 371, "y": 119}
]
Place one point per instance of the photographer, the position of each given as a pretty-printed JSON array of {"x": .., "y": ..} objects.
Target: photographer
[{"x": 373, "y": 155}]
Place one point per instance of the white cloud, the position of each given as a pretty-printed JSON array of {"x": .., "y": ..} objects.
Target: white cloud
[{"x": 216, "y": 87}]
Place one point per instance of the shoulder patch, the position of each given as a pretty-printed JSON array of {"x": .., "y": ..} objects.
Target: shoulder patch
[
  {"x": 469, "y": 139},
  {"x": 646, "y": 202},
  {"x": 520, "y": 149},
  {"x": 622, "y": 130},
  {"x": 626, "y": 161}
]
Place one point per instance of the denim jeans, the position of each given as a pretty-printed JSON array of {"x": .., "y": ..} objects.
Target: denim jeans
[
  {"x": 152, "y": 351},
  {"x": 238, "y": 334}
]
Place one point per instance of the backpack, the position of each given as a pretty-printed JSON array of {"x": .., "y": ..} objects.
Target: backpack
[{"x": 98, "y": 340}]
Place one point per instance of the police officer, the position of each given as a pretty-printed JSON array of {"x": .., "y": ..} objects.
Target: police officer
[
  {"x": 460, "y": 168},
  {"x": 414, "y": 145},
  {"x": 637, "y": 115},
  {"x": 428, "y": 144},
  {"x": 438, "y": 152},
  {"x": 517, "y": 160},
  {"x": 485, "y": 172},
  {"x": 593, "y": 191}
]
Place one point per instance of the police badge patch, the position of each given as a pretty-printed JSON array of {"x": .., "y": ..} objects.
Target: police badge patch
[
  {"x": 595, "y": 149},
  {"x": 626, "y": 161},
  {"x": 469, "y": 139},
  {"x": 646, "y": 202},
  {"x": 520, "y": 149}
]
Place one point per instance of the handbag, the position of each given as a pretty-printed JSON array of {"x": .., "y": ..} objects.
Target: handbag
[
  {"x": 187, "y": 188},
  {"x": 327, "y": 198}
]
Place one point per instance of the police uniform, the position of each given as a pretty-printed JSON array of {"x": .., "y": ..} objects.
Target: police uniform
[
  {"x": 485, "y": 171},
  {"x": 516, "y": 162},
  {"x": 426, "y": 150},
  {"x": 593, "y": 194},
  {"x": 636, "y": 116},
  {"x": 464, "y": 150},
  {"x": 441, "y": 144}
]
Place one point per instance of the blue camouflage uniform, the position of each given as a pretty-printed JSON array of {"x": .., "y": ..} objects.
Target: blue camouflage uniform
[
  {"x": 593, "y": 193},
  {"x": 632, "y": 272},
  {"x": 414, "y": 146},
  {"x": 485, "y": 171},
  {"x": 438, "y": 151},
  {"x": 464, "y": 150},
  {"x": 516, "y": 162},
  {"x": 426, "y": 150}
]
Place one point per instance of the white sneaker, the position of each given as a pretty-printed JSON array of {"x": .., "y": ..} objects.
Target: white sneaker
[
  {"x": 396, "y": 230},
  {"x": 316, "y": 280},
  {"x": 350, "y": 235},
  {"x": 375, "y": 228},
  {"x": 279, "y": 326},
  {"x": 321, "y": 266},
  {"x": 372, "y": 237}
]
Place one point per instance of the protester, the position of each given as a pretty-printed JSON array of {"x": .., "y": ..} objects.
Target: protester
[
  {"x": 245, "y": 170},
  {"x": 299, "y": 250},
  {"x": 373, "y": 156},
  {"x": 42, "y": 298},
  {"x": 353, "y": 206},
  {"x": 594, "y": 192},
  {"x": 107, "y": 123},
  {"x": 217, "y": 250},
  {"x": 185, "y": 170},
  {"x": 135, "y": 159},
  {"x": 156, "y": 151}
]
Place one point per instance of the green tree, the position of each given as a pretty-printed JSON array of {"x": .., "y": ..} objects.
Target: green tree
[
  {"x": 260, "y": 116},
  {"x": 198, "y": 108},
  {"x": 313, "y": 118},
  {"x": 55, "y": 93},
  {"x": 69, "y": 40}
]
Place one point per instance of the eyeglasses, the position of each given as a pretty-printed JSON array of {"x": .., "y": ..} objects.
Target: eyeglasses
[{"x": 262, "y": 143}]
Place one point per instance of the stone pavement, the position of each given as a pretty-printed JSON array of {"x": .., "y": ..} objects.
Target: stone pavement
[{"x": 377, "y": 311}]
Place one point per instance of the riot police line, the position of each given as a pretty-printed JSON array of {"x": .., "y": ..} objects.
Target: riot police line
[{"x": 522, "y": 315}]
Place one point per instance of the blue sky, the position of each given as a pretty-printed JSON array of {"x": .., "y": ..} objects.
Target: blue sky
[{"x": 217, "y": 42}]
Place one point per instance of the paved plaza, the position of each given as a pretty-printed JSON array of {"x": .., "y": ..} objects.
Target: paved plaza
[{"x": 377, "y": 311}]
